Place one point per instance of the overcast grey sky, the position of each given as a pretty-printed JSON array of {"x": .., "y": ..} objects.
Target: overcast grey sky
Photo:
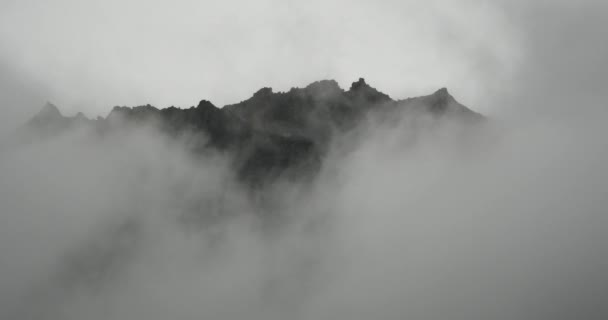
[
  {"x": 493, "y": 55},
  {"x": 509, "y": 224}
]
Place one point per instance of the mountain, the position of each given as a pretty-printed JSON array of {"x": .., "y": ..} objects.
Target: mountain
[{"x": 271, "y": 134}]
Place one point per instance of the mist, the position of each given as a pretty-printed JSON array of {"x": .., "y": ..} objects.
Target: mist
[
  {"x": 415, "y": 219},
  {"x": 412, "y": 218}
]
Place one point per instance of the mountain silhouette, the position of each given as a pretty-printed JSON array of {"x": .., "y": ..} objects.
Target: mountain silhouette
[{"x": 271, "y": 134}]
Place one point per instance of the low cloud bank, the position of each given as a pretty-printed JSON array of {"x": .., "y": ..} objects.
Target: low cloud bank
[{"x": 417, "y": 220}]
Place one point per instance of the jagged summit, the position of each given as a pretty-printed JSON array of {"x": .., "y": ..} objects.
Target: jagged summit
[
  {"x": 264, "y": 92},
  {"x": 441, "y": 97},
  {"x": 49, "y": 110},
  {"x": 317, "y": 89},
  {"x": 47, "y": 115},
  {"x": 272, "y": 134},
  {"x": 361, "y": 90},
  {"x": 323, "y": 88},
  {"x": 48, "y": 120},
  {"x": 206, "y": 104},
  {"x": 441, "y": 101},
  {"x": 359, "y": 84},
  {"x": 325, "y": 84},
  {"x": 443, "y": 92}
]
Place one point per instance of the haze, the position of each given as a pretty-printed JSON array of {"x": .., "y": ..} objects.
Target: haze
[{"x": 410, "y": 222}]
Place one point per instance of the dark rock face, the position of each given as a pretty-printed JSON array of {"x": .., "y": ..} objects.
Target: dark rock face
[
  {"x": 272, "y": 135},
  {"x": 49, "y": 120}
]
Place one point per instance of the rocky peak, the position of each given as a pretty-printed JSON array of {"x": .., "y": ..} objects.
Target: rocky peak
[
  {"x": 262, "y": 93},
  {"x": 359, "y": 85},
  {"x": 271, "y": 132},
  {"x": 442, "y": 93},
  {"x": 49, "y": 111},
  {"x": 48, "y": 121},
  {"x": 361, "y": 90},
  {"x": 206, "y": 105},
  {"x": 440, "y": 99},
  {"x": 324, "y": 89}
]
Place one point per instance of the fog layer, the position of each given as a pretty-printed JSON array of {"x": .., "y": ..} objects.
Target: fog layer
[{"x": 424, "y": 221}]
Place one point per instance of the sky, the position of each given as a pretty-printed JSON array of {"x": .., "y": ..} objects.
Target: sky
[
  {"x": 508, "y": 223},
  {"x": 493, "y": 56}
]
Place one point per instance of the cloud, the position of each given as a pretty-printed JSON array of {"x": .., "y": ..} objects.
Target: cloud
[
  {"x": 20, "y": 98},
  {"x": 564, "y": 64},
  {"x": 96, "y": 54},
  {"x": 505, "y": 223},
  {"x": 417, "y": 219}
]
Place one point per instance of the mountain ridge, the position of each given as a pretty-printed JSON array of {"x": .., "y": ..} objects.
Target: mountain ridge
[{"x": 272, "y": 134}]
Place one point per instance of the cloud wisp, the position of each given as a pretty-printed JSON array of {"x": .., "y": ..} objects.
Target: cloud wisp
[{"x": 417, "y": 219}]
